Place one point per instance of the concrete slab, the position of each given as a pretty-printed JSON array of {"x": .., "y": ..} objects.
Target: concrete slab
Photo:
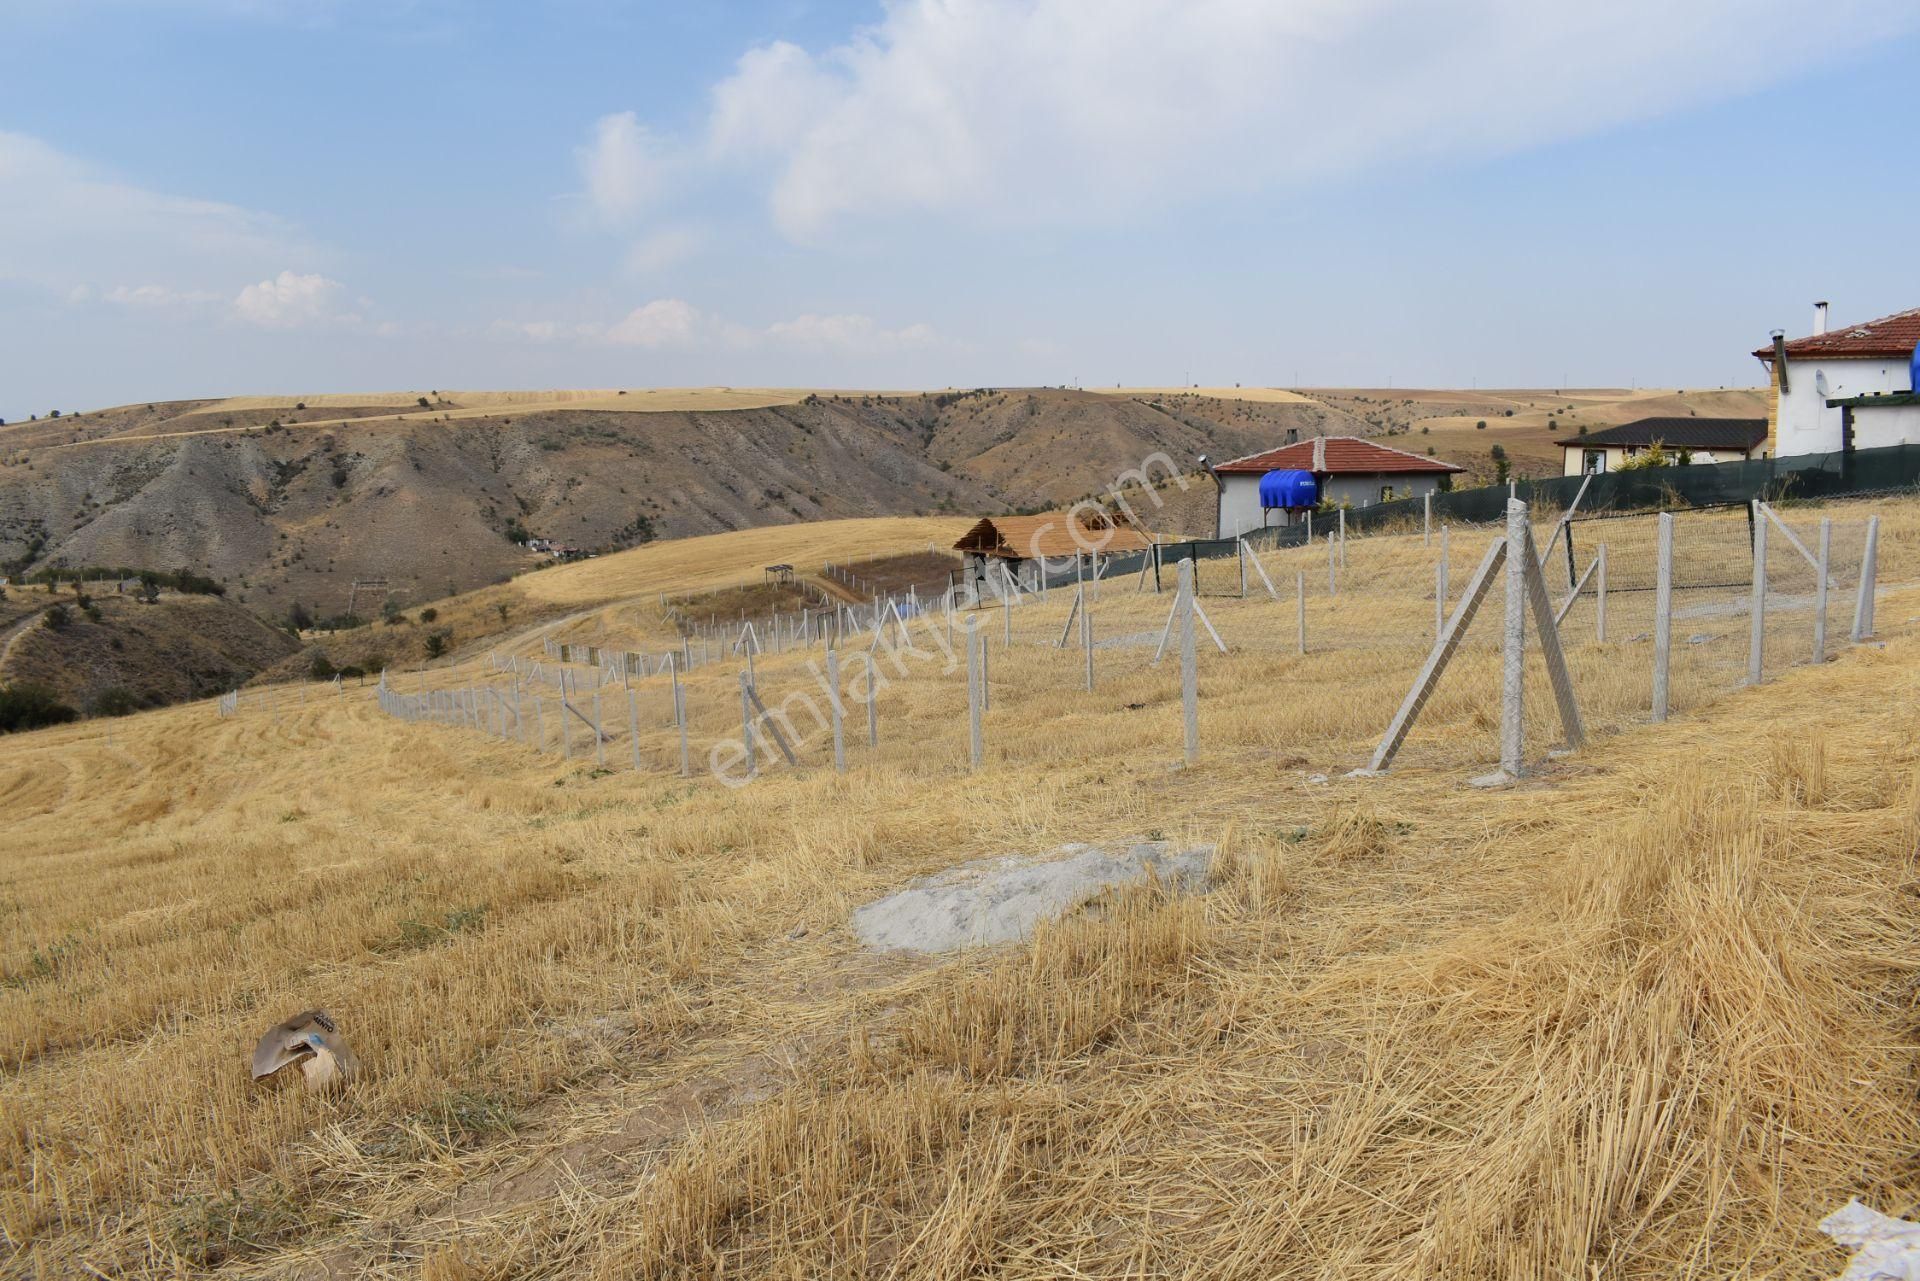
[{"x": 1001, "y": 900}]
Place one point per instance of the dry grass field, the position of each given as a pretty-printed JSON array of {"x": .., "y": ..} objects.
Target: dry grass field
[
  {"x": 1528, "y": 424},
  {"x": 1651, "y": 1014},
  {"x": 217, "y": 416},
  {"x": 1257, "y": 395}
]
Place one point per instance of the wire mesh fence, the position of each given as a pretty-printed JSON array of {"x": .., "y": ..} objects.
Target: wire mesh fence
[{"x": 1310, "y": 663}]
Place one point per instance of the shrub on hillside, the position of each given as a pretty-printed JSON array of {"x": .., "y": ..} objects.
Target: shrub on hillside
[
  {"x": 115, "y": 700},
  {"x": 29, "y": 706},
  {"x": 57, "y": 617},
  {"x": 438, "y": 643},
  {"x": 320, "y": 667},
  {"x": 428, "y": 614}
]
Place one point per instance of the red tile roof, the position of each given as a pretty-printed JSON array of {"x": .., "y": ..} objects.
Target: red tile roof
[
  {"x": 1335, "y": 455},
  {"x": 1892, "y": 336}
]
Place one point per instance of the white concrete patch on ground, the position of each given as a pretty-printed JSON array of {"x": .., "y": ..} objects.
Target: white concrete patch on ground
[
  {"x": 1886, "y": 1248},
  {"x": 1001, "y": 900}
]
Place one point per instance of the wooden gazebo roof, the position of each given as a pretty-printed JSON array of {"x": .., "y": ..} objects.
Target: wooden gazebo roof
[{"x": 1051, "y": 534}]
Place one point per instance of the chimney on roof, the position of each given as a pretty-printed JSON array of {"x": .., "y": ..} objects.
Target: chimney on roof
[{"x": 1819, "y": 319}]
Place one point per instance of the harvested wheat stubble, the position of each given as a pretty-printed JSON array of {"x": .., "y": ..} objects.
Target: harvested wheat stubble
[{"x": 1650, "y": 1016}]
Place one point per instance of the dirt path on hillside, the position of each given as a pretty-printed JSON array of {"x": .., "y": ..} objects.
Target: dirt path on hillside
[{"x": 12, "y": 637}]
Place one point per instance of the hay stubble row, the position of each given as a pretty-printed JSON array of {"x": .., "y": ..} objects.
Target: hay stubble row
[{"x": 1652, "y": 1016}]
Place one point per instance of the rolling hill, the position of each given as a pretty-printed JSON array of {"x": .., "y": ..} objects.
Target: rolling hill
[{"x": 294, "y": 499}]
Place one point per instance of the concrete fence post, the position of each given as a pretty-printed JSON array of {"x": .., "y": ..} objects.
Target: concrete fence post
[
  {"x": 1662, "y": 616},
  {"x": 1333, "y": 585},
  {"x": 633, "y": 727},
  {"x": 680, "y": 717},
  {"x": 1189, "y": 666},
  {"x": 1869, "y": 569},
  {"x": 1300, "y": 606},
  {"x": 833, "y": 699},
  {"x": 974, "y": 744},
  {"x": 873, "y": 703},
  {"x": 1600, "y": 598},
  {"x": 1086, "y": 635},
  {"x": 1513, "y": 737},
  {"x": 1757, "y": 600},
  {"x": 746, "y": 723},
  {"x": 1343, "y": 538},
  {"x": 1439, "y": 600},
  {"x": 1820, "y": 590}
]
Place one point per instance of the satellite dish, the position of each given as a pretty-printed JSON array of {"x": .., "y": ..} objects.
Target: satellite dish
[{"x": 1820, "y": 383}]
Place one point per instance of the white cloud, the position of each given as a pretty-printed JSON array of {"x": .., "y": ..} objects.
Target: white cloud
[
  {"x": 544, "y": 331},
  {"x": 290, "y": 300},
  {"x": 664, "y": 322},
  {"x": 1068, "y": 110},
  {"x": 850, "y": 334},
  {"x": 673, "y": 324},
  {"x": 64, "y": 222},
  {"x": 659, "y": 250},
  {"x": 624, "y": 167},
  {"x": 157, "y": 297}
]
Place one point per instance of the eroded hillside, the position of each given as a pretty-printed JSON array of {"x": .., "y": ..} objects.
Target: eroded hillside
[{"x": 285, "y": 510}]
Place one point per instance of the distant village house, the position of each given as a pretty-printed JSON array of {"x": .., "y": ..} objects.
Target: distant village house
[
  {"x": 1842, "y": 389},
  {"x": 1349, "y": 472},
  {"x": 1682, "y": 440}
]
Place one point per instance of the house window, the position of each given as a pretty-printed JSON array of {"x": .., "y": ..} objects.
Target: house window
[
  {"x": 1386, "y": 493},
  {"x": 1593, "y": 461}
]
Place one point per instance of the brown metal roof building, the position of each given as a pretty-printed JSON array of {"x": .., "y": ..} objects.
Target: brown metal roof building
[{"x": 1021, "y": 543}]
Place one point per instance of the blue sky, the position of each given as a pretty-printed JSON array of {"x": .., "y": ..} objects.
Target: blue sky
[{"x": 209, "y": 197}]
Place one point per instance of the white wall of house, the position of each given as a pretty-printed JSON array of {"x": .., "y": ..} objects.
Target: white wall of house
[
  {"x": 1877, "y": 425},
  {"x": 1240, "y": 509},
  {"x": 1807, "y": 426},
  {"x": 1575, "y": 462}
]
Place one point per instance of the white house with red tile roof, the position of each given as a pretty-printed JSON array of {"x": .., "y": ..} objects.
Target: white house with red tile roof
[
  {"x": 1350, "y": 472},
  {"x": 1845, "y": 388}
]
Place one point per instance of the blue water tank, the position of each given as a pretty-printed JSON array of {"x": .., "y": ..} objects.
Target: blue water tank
[
  {"x": 1913, "y": 370},
  {"x": 1289, "y": 490}
]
